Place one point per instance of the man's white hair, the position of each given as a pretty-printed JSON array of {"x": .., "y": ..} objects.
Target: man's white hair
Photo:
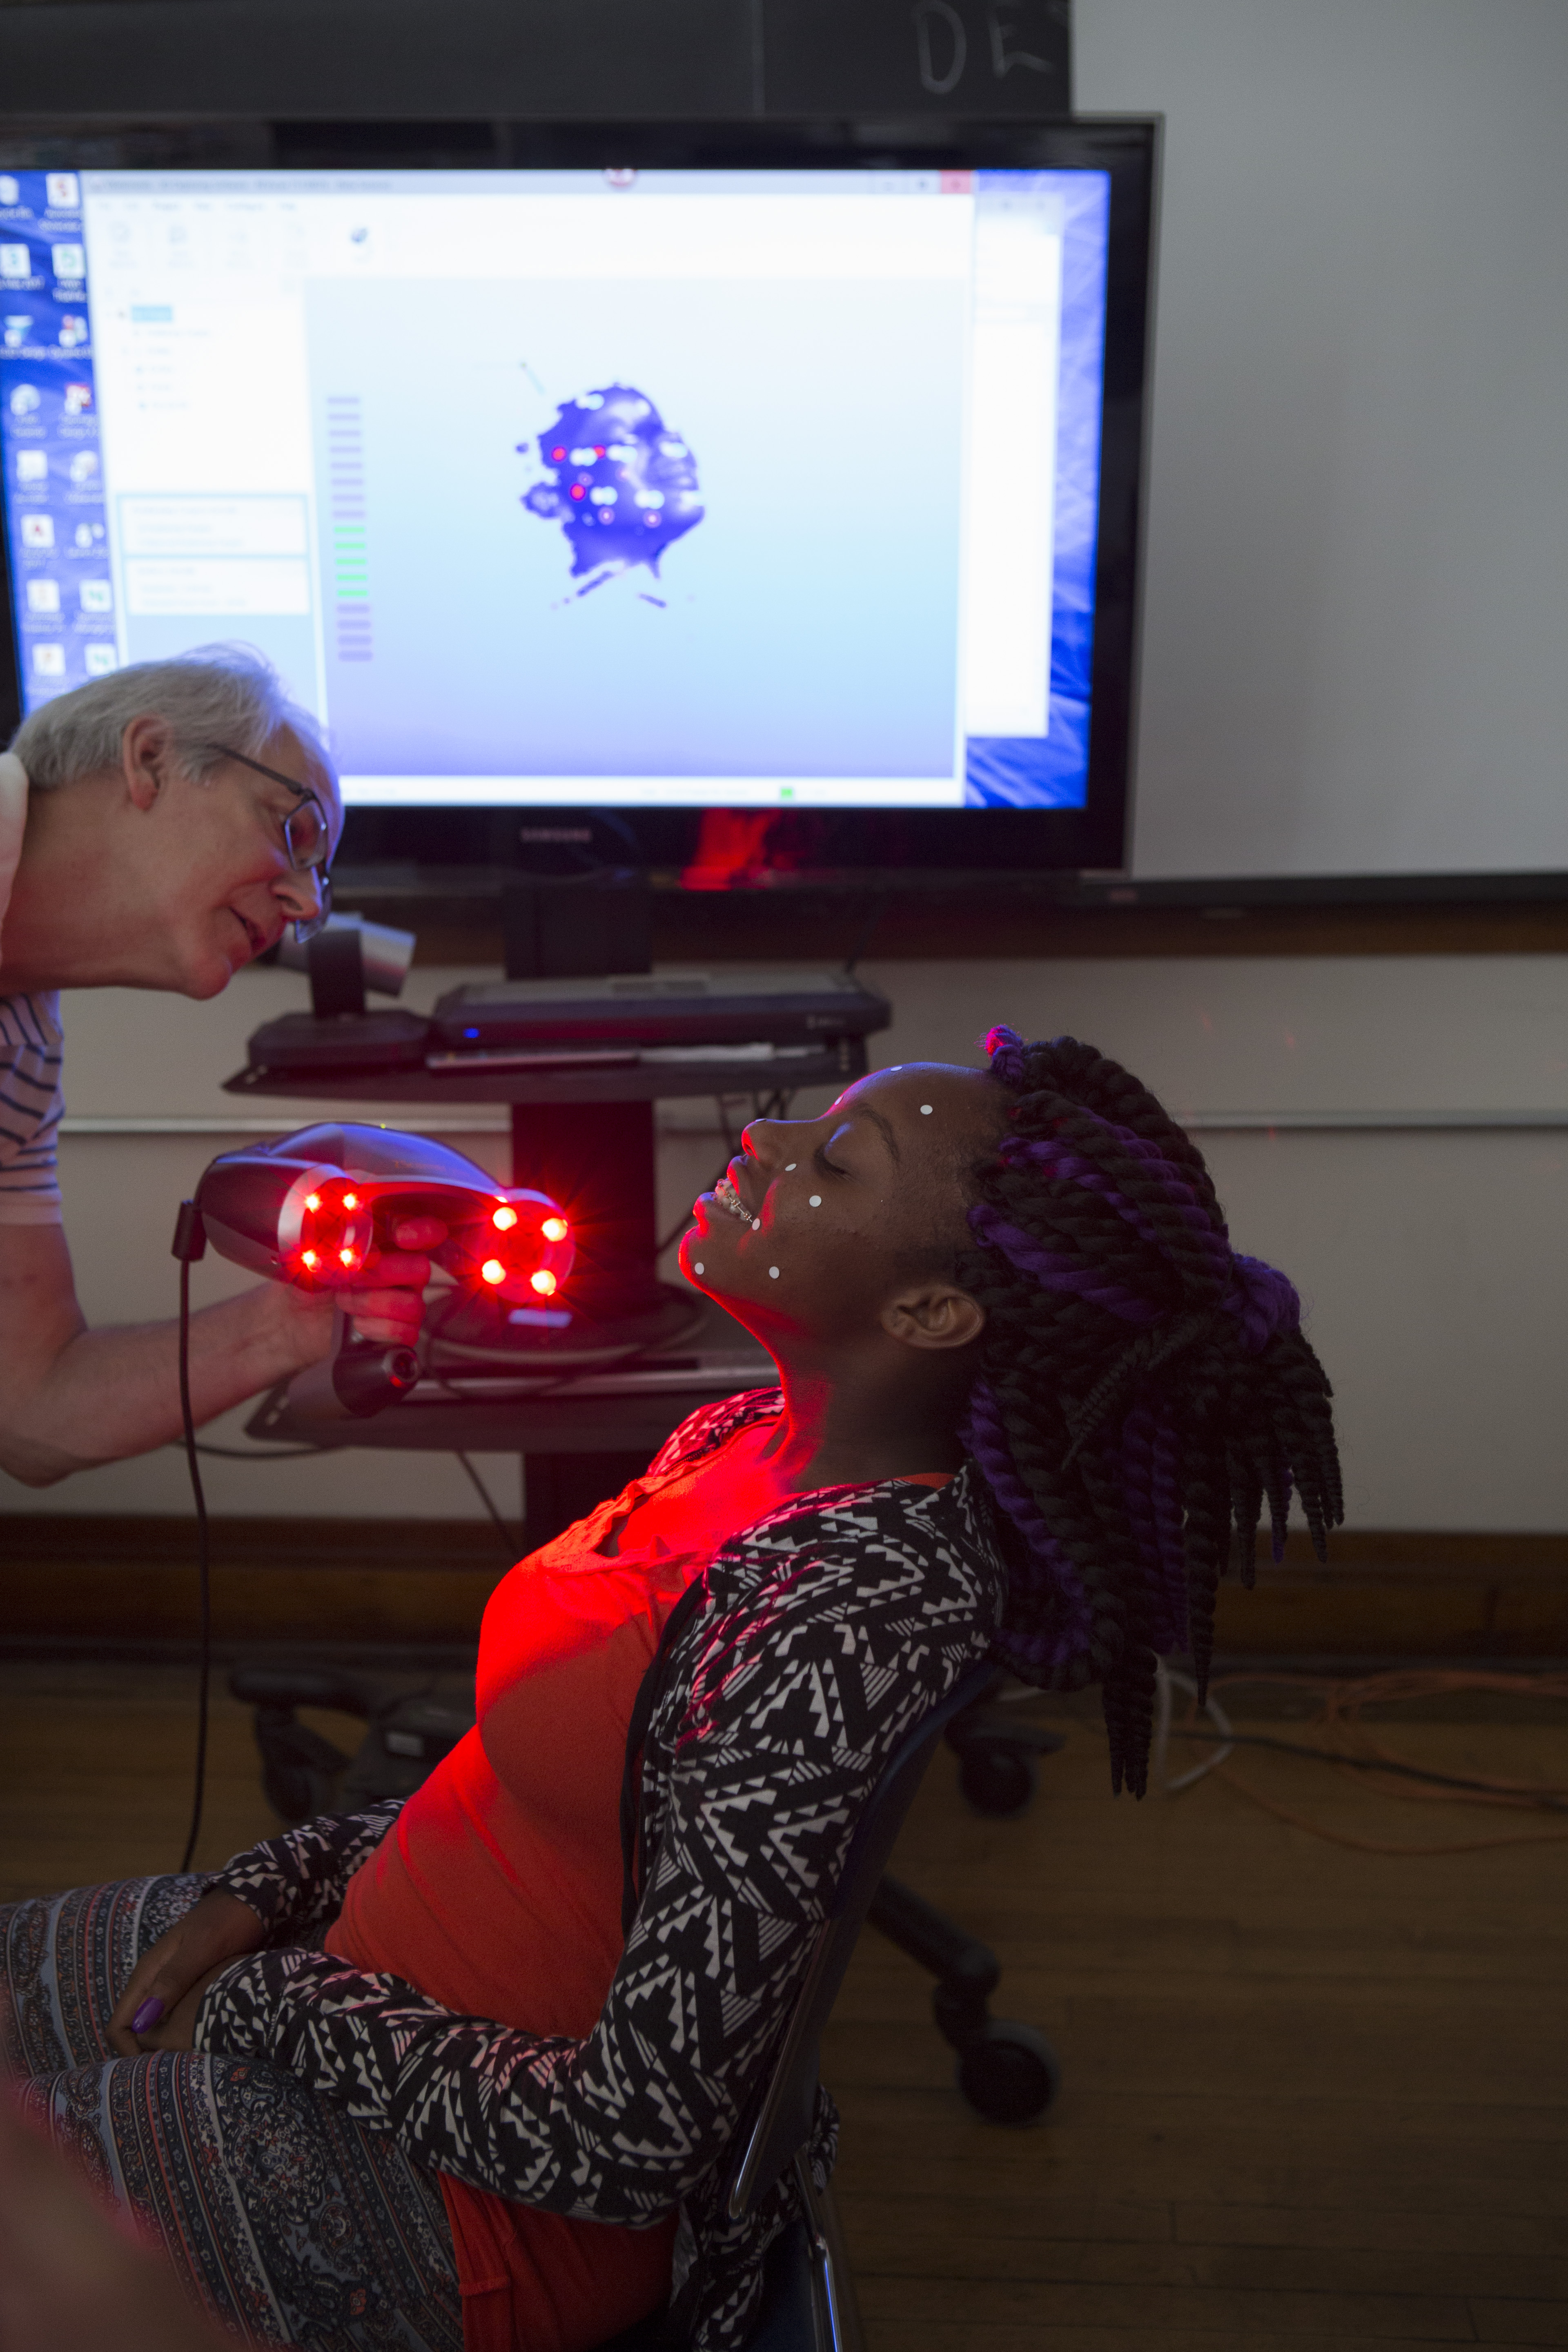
[{"x": 215, "y": 698}]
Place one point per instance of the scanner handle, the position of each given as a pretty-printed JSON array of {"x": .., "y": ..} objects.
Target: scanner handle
[{"x": 361, "y": 1377}]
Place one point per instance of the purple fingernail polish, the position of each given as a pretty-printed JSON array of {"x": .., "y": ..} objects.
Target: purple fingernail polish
[{"x": 150, "y": 2014}]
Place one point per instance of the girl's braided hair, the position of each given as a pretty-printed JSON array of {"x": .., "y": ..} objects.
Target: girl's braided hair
[{"x": 1143, "y": 1388}]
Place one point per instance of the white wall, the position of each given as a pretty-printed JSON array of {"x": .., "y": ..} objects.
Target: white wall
[
  {"x": 1433, "y": 1262},
  {"x": 1353, "y": 654}
]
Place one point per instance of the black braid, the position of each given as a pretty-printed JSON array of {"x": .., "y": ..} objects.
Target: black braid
[{"x": 1143, "y": 1393}]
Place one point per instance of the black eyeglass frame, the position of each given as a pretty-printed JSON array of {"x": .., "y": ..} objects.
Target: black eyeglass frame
[{"x": 305, "y": 927}]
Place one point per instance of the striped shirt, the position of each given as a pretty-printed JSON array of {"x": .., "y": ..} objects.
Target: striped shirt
[{"x": 31, "y": 1102}]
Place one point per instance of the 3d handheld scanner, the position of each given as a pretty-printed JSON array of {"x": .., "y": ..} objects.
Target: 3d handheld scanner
[{"x": 322, "y": 1207}]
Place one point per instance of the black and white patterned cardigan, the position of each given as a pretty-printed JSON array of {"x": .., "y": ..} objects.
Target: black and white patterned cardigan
[{"x": 826, "y": 1631}]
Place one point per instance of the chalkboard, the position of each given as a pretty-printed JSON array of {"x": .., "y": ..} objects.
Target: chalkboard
[
  {"x": 977, "y": 58},
  {"x": 540, "y": 61}
]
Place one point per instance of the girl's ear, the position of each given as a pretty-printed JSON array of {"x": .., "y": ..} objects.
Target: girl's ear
[{"x": 935, "y": 1315}]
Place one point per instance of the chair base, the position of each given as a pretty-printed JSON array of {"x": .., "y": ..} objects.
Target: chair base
[{"x": 1006, "y": 2071}]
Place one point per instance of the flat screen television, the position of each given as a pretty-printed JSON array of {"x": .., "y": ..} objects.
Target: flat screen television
[{"x": 770, "y": 493}]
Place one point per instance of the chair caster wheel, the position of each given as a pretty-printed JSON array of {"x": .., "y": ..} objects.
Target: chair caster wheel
[
  {"x": 1008, "y": 2072},
  {"x": 998, "y": 1781}
]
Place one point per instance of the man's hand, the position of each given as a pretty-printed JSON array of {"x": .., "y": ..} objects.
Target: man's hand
[
  {"x": 70, "y": 1398},
  {"x": 390, "y": 1309},
  {"x": 175, "y": 1972}
]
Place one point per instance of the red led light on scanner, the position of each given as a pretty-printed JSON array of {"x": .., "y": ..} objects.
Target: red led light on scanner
[{"x": 518, "y": 1245}]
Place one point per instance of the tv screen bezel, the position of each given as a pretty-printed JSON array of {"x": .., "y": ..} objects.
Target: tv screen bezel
[{"x": 809, "y": 843}]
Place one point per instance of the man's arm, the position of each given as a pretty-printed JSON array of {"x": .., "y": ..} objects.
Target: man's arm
[{"x": 71, "y": 1397}]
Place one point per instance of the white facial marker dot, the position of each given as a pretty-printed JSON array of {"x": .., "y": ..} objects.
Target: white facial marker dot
[
  {"x": 815, "y": 1202},
  {"x": 792, "y": 1165},
  {"x": 756, "y": 1222},
  {"x": 775, "y": 1272},
  {"x": 697, "y": 1267},
  {"x": 926, "y": 1110}
]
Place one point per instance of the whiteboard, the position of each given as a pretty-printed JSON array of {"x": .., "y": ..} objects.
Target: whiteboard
[{"x": 1356, "y": 658}]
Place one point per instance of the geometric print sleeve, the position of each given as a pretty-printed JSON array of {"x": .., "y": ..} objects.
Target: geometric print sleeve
[
  {"x": 296, "y": 1884},
  {"x": 825, "y": 1634}
]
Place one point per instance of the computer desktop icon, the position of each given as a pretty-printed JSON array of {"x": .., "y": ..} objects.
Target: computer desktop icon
[
  {"x": 48, "y": 661},
  {"x": 37, "y": 530},
  {"x": 16, "y": 328},
  {"x": 79, "y": 399},
  {"x": 83, "y": 467},
  {"x": 63, "y": 190},
  {"x": 70, "y": 261},
  {"x": 100, "y": 660},
  {"x": 26, "y": 400},
  {"x": 97, "y": 596},
  {"x": 32, "y": 466},
  {"x": 15, "y": 261},
  {"x": 72, "y": 330},
  {"x": 43, "y": 595}
]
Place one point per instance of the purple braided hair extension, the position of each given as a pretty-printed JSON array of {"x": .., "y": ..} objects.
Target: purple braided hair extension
[
  {"x": 1059, "y": 1159},
  {"x": 1054, "y": 1272},
  {"x": 1166, "y": 1486},
  {"x": 1008, "y": 1055},
  {"x": 1056, "y": 1577},
  {"x": 1131, "y": 1462},
  {"x": 1130, "y": 1459},
  {"x": 1266, "y": 1300}
]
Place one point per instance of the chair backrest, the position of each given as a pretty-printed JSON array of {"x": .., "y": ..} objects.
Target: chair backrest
[{"x": 782, "y": 2124}]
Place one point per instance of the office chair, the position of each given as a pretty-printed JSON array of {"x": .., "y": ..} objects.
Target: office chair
[
  {"x": 1006, "y": 2070},
  {"x": 808, "y": 2297}
]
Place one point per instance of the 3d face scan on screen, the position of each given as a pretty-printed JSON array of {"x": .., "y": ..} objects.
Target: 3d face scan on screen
[
  {"x": 610, "y": 465},
  {"x": 669, "y": 487}
]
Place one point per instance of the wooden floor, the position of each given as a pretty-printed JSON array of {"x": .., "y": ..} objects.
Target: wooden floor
[{"x": 1312, "y": 2098}]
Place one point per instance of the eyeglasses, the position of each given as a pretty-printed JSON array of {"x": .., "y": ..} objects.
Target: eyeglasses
[{"x": 307, "y": 838}]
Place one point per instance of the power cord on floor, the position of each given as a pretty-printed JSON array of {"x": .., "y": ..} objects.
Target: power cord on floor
[
  {"x": 1342, "y": 1704},
  {"x": 189, "y": 1244}
]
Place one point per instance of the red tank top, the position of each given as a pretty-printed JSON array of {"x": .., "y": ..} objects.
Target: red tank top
[{"x": 498, "y": 1891}]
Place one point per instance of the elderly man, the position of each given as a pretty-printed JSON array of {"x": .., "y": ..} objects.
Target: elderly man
[{"x": 159, "y": 828}]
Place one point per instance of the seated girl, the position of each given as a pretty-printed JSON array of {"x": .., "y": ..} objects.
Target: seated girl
[{"x": 460, "y": 2071}]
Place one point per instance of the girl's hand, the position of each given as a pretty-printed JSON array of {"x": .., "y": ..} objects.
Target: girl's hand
[{"x": 170, "y": 1977}]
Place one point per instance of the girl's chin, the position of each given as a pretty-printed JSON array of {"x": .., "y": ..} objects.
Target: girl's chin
[{"x": 699, "y": 1248}]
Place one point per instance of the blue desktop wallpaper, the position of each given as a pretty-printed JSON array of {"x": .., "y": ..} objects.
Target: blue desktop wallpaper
[{"x": 1052, "y": 771}]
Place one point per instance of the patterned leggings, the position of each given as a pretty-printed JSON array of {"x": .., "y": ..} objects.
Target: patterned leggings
[{"x": 288, "y": 2223}]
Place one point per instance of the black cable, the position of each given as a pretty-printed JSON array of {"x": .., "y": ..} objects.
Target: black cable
[
  {"x": 262, "y": 1453},
  {"x": 512, "y": 1545},
  {"x": 204, "y": 1546},
  {"x": 1216, "y": 1738}
]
